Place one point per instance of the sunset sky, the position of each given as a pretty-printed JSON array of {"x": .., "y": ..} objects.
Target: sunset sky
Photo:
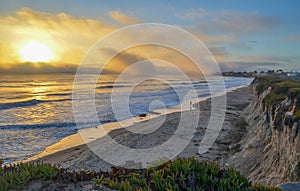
[{"x": 252, "y": 35}]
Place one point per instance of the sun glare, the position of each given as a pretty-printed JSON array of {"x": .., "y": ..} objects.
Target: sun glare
[{"x": 36, "y": 52}]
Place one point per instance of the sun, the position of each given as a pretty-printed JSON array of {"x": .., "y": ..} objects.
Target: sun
[{"x": 36, "y": 52}]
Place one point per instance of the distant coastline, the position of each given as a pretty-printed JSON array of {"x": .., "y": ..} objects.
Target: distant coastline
[{"x": 270, "y": 73}]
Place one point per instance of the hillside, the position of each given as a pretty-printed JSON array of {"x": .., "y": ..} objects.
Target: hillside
[{"x": 271, "y": 146}]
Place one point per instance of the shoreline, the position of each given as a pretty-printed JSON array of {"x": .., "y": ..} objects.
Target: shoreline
[
  {"x": 69, "y": 148},
  {"x": 127, "y": 122}
]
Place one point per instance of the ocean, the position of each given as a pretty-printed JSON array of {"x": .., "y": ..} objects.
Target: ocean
[{"x": 36, "y": 109}]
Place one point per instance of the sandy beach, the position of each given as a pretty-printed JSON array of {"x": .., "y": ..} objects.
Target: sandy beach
[{"x": 72, "y": 152}]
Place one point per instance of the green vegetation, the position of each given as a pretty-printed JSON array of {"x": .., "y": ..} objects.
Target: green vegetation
[
  {"x": 288, "y": 84},
  {"x": 281, "y": 89},
  {"x": 273, "y": 98},
  {"x": 277, "y": 84},
  {"x": 295, "y": 90},
  {"x": 181, "y": 174},
  {"x": 297, "y": 114},
  {"x": 264, "y": 83},
  {"x": 18, "y": 175}
]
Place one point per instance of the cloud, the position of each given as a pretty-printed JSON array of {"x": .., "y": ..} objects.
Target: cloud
[
  {"x": 294, "y": 38},
  {"x": 241, "y": 46},
  {"x": 226, "y": 28},
  {"x": 38, "y": 68},
  {"x": 258, "y": 62},
  {"x": 258, "y": 58},
  {"x": 121, "y": 61},
  {"x": 123, "y": 18},
  {"x": 71, "y": 37},
  {"x": 228, "y": 21},
  {"x": 248, "y": 66},
  {"x": 68, "y": 37},
  {"x": 222, "y": 30},
  {"x": 8, "y": 53},
  {"x": 193, "y": 14},
  {"x": 177, "y": 60},
  {"x": 219, "y": 53},
  {"x": 172, "y": 56},
  {"x": 213, "y": 39},
  {"x": 238, "y": 22}
]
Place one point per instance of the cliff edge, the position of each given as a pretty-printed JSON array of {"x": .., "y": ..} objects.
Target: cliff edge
[{"x": 270, "y": 148}]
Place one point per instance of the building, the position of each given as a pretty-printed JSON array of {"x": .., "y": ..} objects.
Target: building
[{"x": 292, "y": 74}]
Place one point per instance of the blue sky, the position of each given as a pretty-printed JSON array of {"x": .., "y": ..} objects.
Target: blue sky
[{"x": 253, "y": 34}]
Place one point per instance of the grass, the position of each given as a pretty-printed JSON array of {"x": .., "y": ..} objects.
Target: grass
[
  {"x": 181, "y": 174},
  {"x": 272, "y": 98},
  {"x": 295, "y": 90},
  {"x": 281, "y": 89},
  {"x": 292, "y": 86},
  {"x": 288, "y": 83},
  {"x": 297, "y": 114},
  {"x": 264, "y": 83}
]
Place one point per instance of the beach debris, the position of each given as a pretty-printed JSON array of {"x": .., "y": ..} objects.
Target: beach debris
[{"x": 143, "y": 115}]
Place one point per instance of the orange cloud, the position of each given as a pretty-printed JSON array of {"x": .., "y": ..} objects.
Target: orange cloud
[
  {"x": 152, "y": 52},
  {"x": 68, "y": 37},
  {"x": 123, "y": 18}
]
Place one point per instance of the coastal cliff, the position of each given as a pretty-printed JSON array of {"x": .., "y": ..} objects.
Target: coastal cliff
[{"x": 270, "y": 152}]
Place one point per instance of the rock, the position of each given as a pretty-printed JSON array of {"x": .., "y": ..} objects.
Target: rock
[
  {"x": 288, "y": 121},
  {"x": 143, "y": 115},
  {"x": 235, "y": 147},
  {"x": 197, "y": 138},
  {"x": 271, "y": 143},
  {"x": 290, "y": 186},
  {"x": 295, "y": 129},
  {"x": 253, "y": 145}
]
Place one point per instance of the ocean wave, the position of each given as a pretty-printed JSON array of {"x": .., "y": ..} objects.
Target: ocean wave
[
  {"x": 59, "y": 94},
  {"x": 11, "y": 86},
  {"x": 28, "y": 103},
  {"x": 19, "y": 104},
  {"x": 111, "y": 86},
  {"x": 40, "y": 126}
]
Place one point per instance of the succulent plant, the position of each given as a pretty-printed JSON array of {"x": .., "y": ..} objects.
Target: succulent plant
[{"x": 181, "y": 174}]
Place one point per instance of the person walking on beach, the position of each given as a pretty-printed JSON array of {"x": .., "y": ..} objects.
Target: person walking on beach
[{"x": 191, "y": 104}]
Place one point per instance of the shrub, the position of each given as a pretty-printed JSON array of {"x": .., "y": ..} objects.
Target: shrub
[
  {"x": 17, "y": 175},
  {"x": 273, "y": 98},
  {"x": 180, "y": 174},
  {"x": 297, "y": 114}
]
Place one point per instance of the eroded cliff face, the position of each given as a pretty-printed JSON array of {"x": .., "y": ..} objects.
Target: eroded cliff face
[{"x": 271, "y": 146}]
